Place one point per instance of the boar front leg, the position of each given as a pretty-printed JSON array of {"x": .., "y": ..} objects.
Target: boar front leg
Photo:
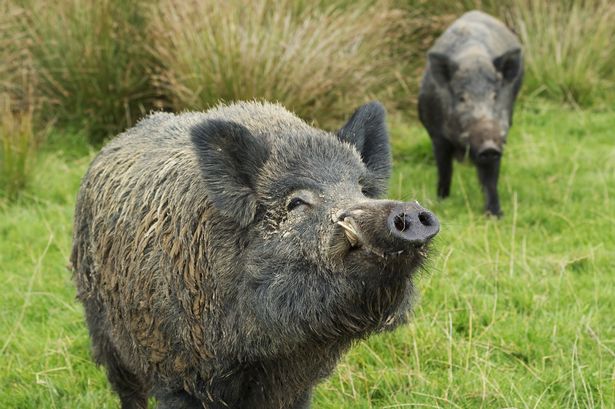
[
  {"x": 303, "y": 402},
  {"x": 488, "y": 174},
  {"x": 443, "y": 151}
]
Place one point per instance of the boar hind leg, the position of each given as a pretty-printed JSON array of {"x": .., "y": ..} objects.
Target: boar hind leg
[
  {"x": 127, "y": 385},
  {"x": 443, "y": 151},
  {"x": 488, "y": 174}
]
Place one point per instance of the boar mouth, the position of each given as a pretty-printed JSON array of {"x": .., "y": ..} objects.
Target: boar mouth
[{"x": 357, "y": 241}]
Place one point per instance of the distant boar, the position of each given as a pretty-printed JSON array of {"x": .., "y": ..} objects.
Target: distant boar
[
  {"x": 474, "y": 72},
  {"x": 227, "y": 259}
]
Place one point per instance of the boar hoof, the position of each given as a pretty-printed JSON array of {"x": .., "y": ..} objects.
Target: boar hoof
[{"x": 494, "y": 213}]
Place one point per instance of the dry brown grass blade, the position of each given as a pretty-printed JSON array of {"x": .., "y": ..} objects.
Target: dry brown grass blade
[{"x": 319, "y": 61}]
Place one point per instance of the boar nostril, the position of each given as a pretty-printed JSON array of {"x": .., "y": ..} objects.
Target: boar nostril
[
  {"x": 490, "y": 154},
  {"x": 426, "y": 219},
  {"x": 402, "y": 222},
  {"x": 409, "y": 224}
]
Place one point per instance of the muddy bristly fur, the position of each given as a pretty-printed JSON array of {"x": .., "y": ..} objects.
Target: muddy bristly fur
[{"x": 210, "y": 262}]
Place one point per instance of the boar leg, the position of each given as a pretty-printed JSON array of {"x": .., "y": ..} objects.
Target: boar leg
[
  {"x": 443, "y": 152},
  {"x": 488, "y": 174},
  {"x": 303, "y": 402},
  {"x": 127, "y": 385}
]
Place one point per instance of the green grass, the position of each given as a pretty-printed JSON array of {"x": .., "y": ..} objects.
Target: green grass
[{"x": 516, "y": 312}]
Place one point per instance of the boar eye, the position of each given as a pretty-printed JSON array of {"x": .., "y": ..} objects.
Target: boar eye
[
  {"x": 462, "y": 99},
  {"x": 294, "y": 203}
]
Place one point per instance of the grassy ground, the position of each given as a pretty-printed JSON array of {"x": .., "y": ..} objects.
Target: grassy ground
[{"x": 513, "y": 313}]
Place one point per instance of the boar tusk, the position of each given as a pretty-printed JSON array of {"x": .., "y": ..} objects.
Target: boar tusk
[{"x": 350, "y": 232}]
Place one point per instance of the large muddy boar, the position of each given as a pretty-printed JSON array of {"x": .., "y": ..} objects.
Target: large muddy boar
[
  {"x": 227, "y": 259},
  {"x": 474, "y": 72}
]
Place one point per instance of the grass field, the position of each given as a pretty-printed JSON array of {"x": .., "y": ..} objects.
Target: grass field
[{"x": 513, "y": 313}]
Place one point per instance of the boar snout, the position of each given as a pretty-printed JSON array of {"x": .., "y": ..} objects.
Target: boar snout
[
  {"x": 412, "y": 224},
  {"x": 489, "y": 151},
  {"x": 386, "y": 227},
  {"x": 486, "y": 141}
]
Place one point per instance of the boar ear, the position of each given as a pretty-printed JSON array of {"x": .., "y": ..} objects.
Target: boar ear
[
  {"x": 509, "y": 64},
  {"x": 442, "y": 67},
  {"x": 230, "y": 158},
  {"x": 366, "y": 130}
]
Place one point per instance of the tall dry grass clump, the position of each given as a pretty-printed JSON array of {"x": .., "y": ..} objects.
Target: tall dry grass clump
[
  {"x": 320, "y": 61},
  {"x": 91, "y": 62},
  {"x": 15, "y": 60},
  {"x": 17, "y": 147},
  {"x": 17, "y": 101},
  {"x": 569, "y": 48}
]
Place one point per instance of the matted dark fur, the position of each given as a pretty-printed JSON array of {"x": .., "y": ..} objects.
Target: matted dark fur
[{"x": 226, "y": 259}]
